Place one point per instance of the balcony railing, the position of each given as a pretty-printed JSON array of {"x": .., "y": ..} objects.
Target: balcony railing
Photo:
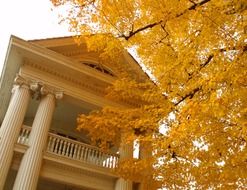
[
  {"x": 24, "y": 135},
  {"x": 72, "y": 149}
]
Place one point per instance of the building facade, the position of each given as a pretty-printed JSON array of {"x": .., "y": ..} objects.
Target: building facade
[{"x": 44, "y": 85}]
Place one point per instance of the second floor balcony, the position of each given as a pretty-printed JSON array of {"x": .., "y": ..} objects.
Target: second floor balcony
[{"x": 74, "y": 150}]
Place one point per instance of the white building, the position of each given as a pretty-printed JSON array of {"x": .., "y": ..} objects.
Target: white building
[{"x": 44, "y": 85}]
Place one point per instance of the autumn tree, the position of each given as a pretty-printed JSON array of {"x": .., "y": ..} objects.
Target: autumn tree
[{"x": 192, "y": 111}]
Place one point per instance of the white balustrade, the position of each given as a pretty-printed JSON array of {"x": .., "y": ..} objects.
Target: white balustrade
[
  {"x": 24, "y": 135},
  {"x": 79, "y": 151},
  {"x": 72, "y": 149}
]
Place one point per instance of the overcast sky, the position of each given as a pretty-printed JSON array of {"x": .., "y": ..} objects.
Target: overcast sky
[{"x": 27, "y": 19}]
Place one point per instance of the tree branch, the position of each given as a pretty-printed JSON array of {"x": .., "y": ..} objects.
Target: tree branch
[
  {"x": 132, "y": 33},
  {"x": 210, "y": 57},
  {"x": 193, "y": 7},
  {"x": 189, "y": 95}
]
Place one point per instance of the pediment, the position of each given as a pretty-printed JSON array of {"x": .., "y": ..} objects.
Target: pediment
[{"x": 79, "y": 53}]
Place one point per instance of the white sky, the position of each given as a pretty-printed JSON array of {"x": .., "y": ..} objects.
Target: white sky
[{"x": 27, "y": 19}]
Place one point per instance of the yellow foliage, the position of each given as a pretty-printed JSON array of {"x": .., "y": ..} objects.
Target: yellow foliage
[{"x": 196, "y": 50}]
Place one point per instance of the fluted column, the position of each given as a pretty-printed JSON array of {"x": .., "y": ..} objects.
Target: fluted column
[
  {"x": 123, "y": 184},
  {"x": 11, "y": 126},
  {"x": 146, "y": 154},
  {"x": 28, "y": 173},
  {"x": 125, "y": 151}
]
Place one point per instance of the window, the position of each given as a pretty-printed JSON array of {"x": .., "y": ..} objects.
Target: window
[{"x": 99, "y": 67}]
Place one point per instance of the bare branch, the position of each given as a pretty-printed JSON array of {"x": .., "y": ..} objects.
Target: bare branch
[
  {"x": 193, "y": 7},
  {"x": 132, "y": 33},
  {"x": 210, "y": 57},
  {"x": 189, "y": 95}
]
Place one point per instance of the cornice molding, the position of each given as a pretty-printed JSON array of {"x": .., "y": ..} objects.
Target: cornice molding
[
  {"x": 83, "y": 84},
  {"x": 71, "y": 53}
]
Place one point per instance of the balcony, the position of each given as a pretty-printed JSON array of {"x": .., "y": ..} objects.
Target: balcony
[
  {"x": 74, "y": 150},
  {"x": 68, "y": 161}
]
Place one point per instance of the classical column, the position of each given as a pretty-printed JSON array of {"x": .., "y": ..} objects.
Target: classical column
[
  {"x": 145, "y": 154},
  {"x": 125, "y": 152},
  {"x": 28, "y": 173},
  {"x": 11, "y": 126}
]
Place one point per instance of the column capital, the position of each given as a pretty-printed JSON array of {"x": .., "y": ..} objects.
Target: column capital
[
  {"x": 19, "y": 80},
  {"x": 37, "y": 88},
  {"x": 46, "y": 90},
  {"x": 24, "y": 82},
  {"x": 34, "y": 86}
]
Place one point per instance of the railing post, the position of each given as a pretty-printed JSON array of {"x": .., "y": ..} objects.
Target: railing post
[
  {"x": 64, "y": 148},
  {"x": 85, "y": 154},
  {"x": 79, "y": 153},
  {"x": 53, "y": 144},
  {"x": 48, "y": 144},
  {"x": 75, "y": 152},
  {"x": 71, "y": 152}
]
